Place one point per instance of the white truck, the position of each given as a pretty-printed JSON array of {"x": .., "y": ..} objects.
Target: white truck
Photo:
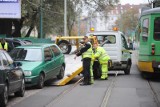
[{"x": 114, "y": 42}]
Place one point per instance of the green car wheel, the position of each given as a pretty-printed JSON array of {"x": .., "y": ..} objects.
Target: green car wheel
[
  {"x": 61, "y": 73},
  {"x": 40, "y": 83}
]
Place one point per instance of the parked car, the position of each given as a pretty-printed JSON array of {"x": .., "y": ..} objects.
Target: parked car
[
  {"x": 12, "y": 43},
  {"x": 12, "y": 78},
  {"x": 40, "y": 62}
]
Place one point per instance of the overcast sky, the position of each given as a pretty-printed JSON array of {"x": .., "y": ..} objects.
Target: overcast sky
[{"x": 133, "y": 1}]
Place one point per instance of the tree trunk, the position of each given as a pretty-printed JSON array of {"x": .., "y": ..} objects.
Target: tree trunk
[
  {"x": 29, "y": 31},
  {"x": 32, "y": 24}
]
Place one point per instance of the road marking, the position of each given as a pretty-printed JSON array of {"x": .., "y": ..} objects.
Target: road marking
[
  {"x": 109, "y": 91},
  {"x": 60, "y": 96},
  {"x": 154, "y": 94}
]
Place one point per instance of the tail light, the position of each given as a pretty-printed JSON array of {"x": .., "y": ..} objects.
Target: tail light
[{"x": 153, "y": 49}]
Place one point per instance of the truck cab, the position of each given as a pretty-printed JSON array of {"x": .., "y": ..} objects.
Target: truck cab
[{"x": 114, "y": 42}]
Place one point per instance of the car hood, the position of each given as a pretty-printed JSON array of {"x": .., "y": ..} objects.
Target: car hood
[{"x": 30, "y": 65}]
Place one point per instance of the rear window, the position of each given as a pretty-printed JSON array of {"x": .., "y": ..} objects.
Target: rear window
[
  {"x": 108, "y": 39},
  {"x": 157, "y": 28}
]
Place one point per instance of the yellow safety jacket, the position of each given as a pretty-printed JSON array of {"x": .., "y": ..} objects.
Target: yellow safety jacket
[
  {"x": 88, "y": 53},
  {"x": 102, "y": 55},
  {"x": 5, "y": 46}
]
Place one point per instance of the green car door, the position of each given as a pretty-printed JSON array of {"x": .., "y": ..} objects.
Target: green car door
[
  {"x": 57, "y": 58},
  {"x": 49, "y": 66}
]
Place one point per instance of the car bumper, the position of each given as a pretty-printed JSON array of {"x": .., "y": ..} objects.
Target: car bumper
[
  {"x": 30, "y": 81},
  {"x": 1, "y": 88}
]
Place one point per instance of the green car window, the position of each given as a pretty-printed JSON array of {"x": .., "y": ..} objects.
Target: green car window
[
  {"x": 47, "y": 52},
  {"x": 55, "y": 50},
  {"x": 28, "y": 54}
]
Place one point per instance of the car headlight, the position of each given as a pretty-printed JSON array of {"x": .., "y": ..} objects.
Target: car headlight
[{"x": 27, "y": 73}]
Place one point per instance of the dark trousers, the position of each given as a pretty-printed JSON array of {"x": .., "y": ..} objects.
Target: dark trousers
[{"x": 86, "y": 70}]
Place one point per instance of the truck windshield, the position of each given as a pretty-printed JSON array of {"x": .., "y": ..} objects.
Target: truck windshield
[
  {"x": 21, "y": 54},
  {"x": 108, "y": 39}
]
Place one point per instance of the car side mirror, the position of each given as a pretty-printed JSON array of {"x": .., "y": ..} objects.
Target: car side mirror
[
  {"x": 48, "y": 58},
  {"x": 17, "y": 64}
]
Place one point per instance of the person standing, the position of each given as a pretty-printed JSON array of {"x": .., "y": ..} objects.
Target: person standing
[
  {"x": 3, "y": 44},
  {"x": 87, "y": 53},
  {"x": 103, "y": 57}
]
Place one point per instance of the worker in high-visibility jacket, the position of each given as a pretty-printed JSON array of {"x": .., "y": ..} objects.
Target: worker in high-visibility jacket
[
  {"x": 3, "y": 44},
  {"x": 103, "y": 58},
  {"x": 86, "y": 52}
]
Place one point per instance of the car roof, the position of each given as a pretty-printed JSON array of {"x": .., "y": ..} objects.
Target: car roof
[
  {"x": 22, "y": 42},
  {"x": 104, "y": 32},
  {"x": 36, "y": 45}
]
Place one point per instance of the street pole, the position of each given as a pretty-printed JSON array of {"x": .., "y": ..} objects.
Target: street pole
[
  {"x": 121, "y": 21},
  {"x": 65, "y": 17},
  {"x": 79, "y": 12},
  {"x": 91, "y": 21},
  {"x": 41, "y": 19}
]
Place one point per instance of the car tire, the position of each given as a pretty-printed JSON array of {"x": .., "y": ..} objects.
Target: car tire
[
  {"x": 61, "y": 73},
  {"x": 65, "y": 46},
  {"x": 21, "y": 92},
  {"x": 40, "y": 83},
  {"x": 128, "y": 68},
  {"x": 4, "y": 97}
]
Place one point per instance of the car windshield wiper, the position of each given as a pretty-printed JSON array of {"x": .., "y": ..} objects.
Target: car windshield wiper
[
  {"x": 21, "y": 60},
  {"x": 27, "y": 60}
]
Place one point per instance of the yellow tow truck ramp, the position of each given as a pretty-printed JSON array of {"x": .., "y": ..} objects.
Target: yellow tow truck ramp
[{"x": 69, "y": 77}]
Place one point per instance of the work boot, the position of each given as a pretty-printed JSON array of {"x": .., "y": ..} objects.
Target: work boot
[
  {"x": 91, "y": 81},
  {"x": 104, "y": 78},
  {"x": 85, "y": 82}
]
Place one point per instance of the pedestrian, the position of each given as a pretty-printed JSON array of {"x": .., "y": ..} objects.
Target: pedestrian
[
  {"x": 87, "y": 53},
  {"x": 103, "y": 57},
  {"x": 3, "y": 44}
]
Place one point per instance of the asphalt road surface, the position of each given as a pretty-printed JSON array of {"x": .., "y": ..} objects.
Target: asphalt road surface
[{"x": 118, "y": 91}]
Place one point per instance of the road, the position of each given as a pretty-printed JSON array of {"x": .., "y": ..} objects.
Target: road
[{"x": 118, "y": 91}]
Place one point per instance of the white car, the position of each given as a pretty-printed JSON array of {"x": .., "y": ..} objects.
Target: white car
[{"x": 114, "y": 42}]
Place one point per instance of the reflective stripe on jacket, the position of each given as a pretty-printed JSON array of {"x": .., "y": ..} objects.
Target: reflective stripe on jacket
[
  {"x": 88, "y": 53},
  {"x": 5, "y": 46}
]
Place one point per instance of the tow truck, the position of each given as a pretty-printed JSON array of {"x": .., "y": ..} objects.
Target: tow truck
[{"x": 65, "y": 43}]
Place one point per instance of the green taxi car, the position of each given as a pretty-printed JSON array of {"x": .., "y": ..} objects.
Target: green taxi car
[{"x": 40, "y": 62}]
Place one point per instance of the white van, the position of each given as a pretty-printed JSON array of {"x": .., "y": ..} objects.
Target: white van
[{"x": 115, "y": 44}]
